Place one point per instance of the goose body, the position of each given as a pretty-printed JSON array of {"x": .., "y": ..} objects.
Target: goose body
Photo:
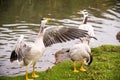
[
  {"x": 77, "y": 53},
  {"x": 29, "y": 53},
  {"x": 38, "y": 49},
  {"x": 86, "y": 26}
]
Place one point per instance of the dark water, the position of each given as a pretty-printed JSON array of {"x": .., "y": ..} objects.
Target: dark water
[{"x": 22, "y": 17}]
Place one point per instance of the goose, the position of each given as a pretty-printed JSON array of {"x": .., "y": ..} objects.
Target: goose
[
  {"x": 79, "y": 52},
  {"x": 86, "y": 26},
  {"x": 27, "y": 53}
]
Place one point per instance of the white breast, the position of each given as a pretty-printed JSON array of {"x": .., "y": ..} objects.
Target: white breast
[{"x": 89, "y": 28}]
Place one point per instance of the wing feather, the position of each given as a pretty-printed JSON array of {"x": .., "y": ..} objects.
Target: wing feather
[
  {"x": 21, "y": 50},
  {"x": 62, "y": 34}
]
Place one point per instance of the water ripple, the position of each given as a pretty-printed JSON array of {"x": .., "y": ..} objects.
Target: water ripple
[{"x": 21, "y": 24}]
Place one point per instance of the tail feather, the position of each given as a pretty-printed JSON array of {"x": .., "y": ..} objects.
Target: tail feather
[
  {"x": 13, "y": 56},
  {"x": 90, "y": 59}
]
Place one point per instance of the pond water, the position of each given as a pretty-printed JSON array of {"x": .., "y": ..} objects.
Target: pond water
[{"x": 23, "y": 17}]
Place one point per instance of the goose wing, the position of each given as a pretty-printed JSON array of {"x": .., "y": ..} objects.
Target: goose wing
[
  {"x": 61, "y": 34},
  {"x": 20, "y": 51}
]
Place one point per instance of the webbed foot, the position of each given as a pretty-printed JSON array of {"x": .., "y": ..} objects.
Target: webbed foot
[{"x": 34, "y": 75}]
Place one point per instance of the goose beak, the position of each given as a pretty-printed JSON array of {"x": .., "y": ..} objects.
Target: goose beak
[{"x": 48, "y": 19}]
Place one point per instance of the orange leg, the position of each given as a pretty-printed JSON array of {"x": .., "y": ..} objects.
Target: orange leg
[
  {"x": 33, "y": 73},
  {"x": 27, "y": 75},
  {"x": 75, "y": 70},
  {"x": 82, "y": 66}
]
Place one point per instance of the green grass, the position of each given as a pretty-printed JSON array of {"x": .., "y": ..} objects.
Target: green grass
[{"x": 105, "y": 66}]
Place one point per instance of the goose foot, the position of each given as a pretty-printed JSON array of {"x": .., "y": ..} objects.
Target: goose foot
[
  {"x": 34, "y": 75},
  {"x": 75, "y": 71},
  {"x": 82, "y": 68}
]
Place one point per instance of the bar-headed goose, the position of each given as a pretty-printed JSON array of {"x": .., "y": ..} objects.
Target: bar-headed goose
[
  {"x": 86, "y": 26},
  {"x": 29, "y": 53},
  {"x": 79, "y": 52}
]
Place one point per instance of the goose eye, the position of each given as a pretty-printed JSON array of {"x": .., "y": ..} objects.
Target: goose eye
[{"x": 42, "y": 19}]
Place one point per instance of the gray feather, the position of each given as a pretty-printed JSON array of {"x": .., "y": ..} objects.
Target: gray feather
[
  {"x": 20, "y": 51},
  {"x": 62, "y": 34}
]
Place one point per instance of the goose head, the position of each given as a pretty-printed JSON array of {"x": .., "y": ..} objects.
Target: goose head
[
  {"x": 85, "y": 13},
  {"x": 62, "y": 55},
  {"x": 44, "y": 21}
]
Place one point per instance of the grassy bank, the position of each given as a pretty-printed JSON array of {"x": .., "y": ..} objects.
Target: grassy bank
[{"x": 105, "y": 66}]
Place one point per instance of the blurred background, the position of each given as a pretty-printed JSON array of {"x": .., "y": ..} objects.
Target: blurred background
[{"x": 23, "y": 17}]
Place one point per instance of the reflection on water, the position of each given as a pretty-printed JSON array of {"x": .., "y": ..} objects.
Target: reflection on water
[{"x": 22, "y": 17}]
